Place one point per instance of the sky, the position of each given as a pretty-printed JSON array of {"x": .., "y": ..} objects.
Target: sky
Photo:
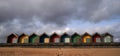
[{"x": 39, "y": 16}]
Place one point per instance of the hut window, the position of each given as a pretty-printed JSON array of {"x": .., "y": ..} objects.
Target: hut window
[
  {"x": 46, "y": 40},
  {"x": 98, "y": 40},
  {"x": 88, "y": 40},
  {"x": 57, "y": 40},
  {"x": 107, "y": 39},
  {"x": 67, "y": 40}
]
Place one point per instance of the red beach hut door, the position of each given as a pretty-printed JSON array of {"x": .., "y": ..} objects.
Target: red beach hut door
[
  {"x": 56, "y": 40},
  {"x": 98, "y": 40}
]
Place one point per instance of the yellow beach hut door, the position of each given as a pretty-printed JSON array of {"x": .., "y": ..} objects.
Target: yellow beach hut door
[
  {"x": 67, "y": 40},
  {"x": 46, "y": 40},
  {"x": 25, "y": 40},
  {"x": 87, "y": 39}
]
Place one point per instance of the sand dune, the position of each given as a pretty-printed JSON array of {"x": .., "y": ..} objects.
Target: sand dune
[{"x": 15, "y": 51}]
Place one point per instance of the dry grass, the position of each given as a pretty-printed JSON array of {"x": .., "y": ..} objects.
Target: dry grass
[{"x": 59, "y": 51}]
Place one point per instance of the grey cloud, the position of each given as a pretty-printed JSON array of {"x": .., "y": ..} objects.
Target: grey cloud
[
  {"x": 47, "y": 11},
  {"x": 50, "y": 15},
  {"x": 58, "y": 11}
]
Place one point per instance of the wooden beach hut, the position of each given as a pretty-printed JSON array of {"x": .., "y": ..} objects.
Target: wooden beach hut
[
  {"x": 76, "y": 38},
  {"x": 44, "y": 38},
  {"x": 55, "y": 38},
  {"x": 107, "y": 38},
  {"x": 87, "y": 38},
  {"x": 23, "y": 38},
  {"x": 12, "y": 38},
  {"x": 97, "y": 38},
  {"x": 34, "y": 38},
  {"x": 65, "y": 38}
]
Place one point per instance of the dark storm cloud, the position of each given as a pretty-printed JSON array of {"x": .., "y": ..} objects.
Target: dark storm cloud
[
  {"x": 47, "y": 11},
  {"x": 52, "y": 15},
  {"x": 58, "y": 11}
]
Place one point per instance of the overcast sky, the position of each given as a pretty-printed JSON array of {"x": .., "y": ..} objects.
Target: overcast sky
[{"x": 28, "y": 16}]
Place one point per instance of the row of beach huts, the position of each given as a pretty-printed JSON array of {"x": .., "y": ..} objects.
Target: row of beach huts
[{"x": 64, "y": 38}]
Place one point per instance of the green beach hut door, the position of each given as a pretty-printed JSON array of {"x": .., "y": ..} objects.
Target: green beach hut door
[
  {"x": 107, "y": 39},
  {"x": 67, "y": 40},
  {"x": 36, "y": 40},
  {"x": 76, "y": 40}
]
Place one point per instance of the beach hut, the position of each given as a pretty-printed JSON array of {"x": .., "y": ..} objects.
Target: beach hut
[
  {"x": 44, "y": 38},
  {"x": 55, "y": 38},
  {"x": 107, "y": 38},
  {"x": 87, "y": 38},
  {"x": 12, "y": 38},
  {"x": 76, "y": 38},
  {"x": 23, "y": 38},
  {"x": 65, "y": 38},
  {"x": 34, "y": 38},
  {"x": 97, "y": 38}
]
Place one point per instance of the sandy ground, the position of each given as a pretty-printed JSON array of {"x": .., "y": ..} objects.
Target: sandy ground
[{"x": 15, "y": 51}]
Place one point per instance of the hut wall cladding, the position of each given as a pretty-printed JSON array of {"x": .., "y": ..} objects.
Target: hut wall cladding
[
  {"x": 12, "y": 38},
  {"x": 64, "y": 38}
]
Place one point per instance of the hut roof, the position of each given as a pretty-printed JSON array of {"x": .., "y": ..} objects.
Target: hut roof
[
  {"x": 107, "y": 34},
  {"x": 13, "y": 34},
  {"x": 54, "y": 34},
  {"x": 96, "y": 34},
  {"x": 86, "y": 34},
  {"x": 44, "y": 34},
  {"x": 65, "y": 34},
  {"x": 33, "y": 34},
  {"x": 75, "y": 34},
  {"x": 23, "y": 35}
]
